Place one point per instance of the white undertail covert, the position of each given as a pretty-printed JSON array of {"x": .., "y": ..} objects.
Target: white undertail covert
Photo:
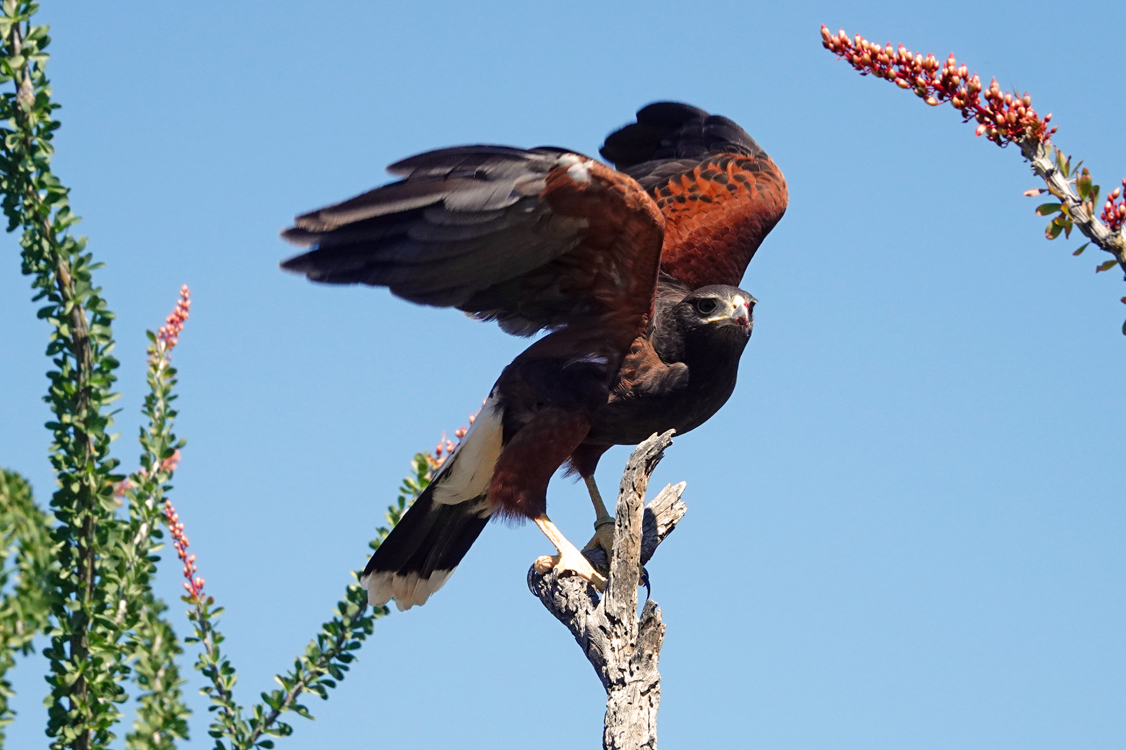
[{"x": 464, "y": 476}]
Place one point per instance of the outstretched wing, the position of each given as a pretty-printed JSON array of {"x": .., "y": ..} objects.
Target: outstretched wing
[
  {"x": 718, "y": 190},
  {"x": 534, "y": 239}
]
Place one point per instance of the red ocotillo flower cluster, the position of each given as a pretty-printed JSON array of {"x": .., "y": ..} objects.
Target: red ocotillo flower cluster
[
  {"x": 1001, "y": 117},
  {"x": 193, "y": 583},
  {"x": 460, "y": 432},
  {"x": 1114, "y": 210},
  {"x": 446, "y": 446},
  {"x": 169, "y": 333}
]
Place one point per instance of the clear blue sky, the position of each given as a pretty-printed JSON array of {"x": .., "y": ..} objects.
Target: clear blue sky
[{"x": 906, "y": 528}]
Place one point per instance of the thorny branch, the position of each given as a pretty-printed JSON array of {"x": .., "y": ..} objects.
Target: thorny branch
[
  {"x": 1080, "y": 210},
  {"x": 85, "y": 671},
  {"x": 326, "y": 659},
  {"x": 623, "y": 648}
]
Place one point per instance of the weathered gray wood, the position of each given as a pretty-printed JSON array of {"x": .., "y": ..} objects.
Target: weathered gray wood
[{"x": 623, "y": 648}]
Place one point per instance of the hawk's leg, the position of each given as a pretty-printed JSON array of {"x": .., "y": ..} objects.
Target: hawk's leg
[
  {"x": 569, "y": 557},
  {"x": 603, "y": 521}
]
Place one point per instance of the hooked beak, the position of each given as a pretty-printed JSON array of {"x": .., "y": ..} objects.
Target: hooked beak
[{"x": 739, "y": 311}]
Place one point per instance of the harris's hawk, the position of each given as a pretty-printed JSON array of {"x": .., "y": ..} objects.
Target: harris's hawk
[{"x": 632, "y": 271}]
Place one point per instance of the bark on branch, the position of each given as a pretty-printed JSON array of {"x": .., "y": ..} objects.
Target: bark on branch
[
  {"x": 622, "y": 647},
  {"x": 1081, "y": 212}
]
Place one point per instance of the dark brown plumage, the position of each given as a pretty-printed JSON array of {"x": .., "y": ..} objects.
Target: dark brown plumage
[
  {"x": 675, "y": 377},
  {"x": 630, "y": 270},
  {"x": 720, "y": 194}
]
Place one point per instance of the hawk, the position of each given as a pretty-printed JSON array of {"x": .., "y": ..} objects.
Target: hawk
[{"x": 630, "y": 270}]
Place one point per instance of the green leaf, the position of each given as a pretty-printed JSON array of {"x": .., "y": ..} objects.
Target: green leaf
[
  {"x": 1046, "y": 209},
  {"x": 1083, "y": 185},
  {"x": 1081, "y": 248},
  {"x": 1061, "y": 162},
  {"x": 1106, "y": 266}
]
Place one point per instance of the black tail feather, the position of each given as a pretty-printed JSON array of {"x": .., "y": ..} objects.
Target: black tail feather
[{"x": 428, "y": 543}]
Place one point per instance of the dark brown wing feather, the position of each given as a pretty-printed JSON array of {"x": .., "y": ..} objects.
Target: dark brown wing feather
[
  {"x": 719, "y": 191},
  {"x": 534, "y": 239}
]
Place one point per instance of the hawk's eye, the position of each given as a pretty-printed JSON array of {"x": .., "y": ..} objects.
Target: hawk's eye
[{"x": 706, "y": 306}]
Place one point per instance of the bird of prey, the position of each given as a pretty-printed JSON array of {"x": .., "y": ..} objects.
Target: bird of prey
[{"x": 632, "y": 272}]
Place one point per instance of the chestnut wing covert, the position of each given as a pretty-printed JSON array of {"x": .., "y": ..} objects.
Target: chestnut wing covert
[{"x": 720, "y": 193}]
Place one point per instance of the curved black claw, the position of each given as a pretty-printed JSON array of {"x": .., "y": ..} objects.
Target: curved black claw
[{"x": 645, "y": 582}]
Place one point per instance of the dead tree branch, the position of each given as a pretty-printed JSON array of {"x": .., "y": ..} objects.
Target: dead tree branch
[{"x": 623, "y": 648}]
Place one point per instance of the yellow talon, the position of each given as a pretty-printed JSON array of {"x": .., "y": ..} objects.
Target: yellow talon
[{"x": 569, "y": 557}]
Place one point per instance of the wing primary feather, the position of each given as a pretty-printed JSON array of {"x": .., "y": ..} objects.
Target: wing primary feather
[
  {"x": 446, "y": 161},
  {"x": 534, "y": 239},
  {"x": 396, "y": 197}
]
